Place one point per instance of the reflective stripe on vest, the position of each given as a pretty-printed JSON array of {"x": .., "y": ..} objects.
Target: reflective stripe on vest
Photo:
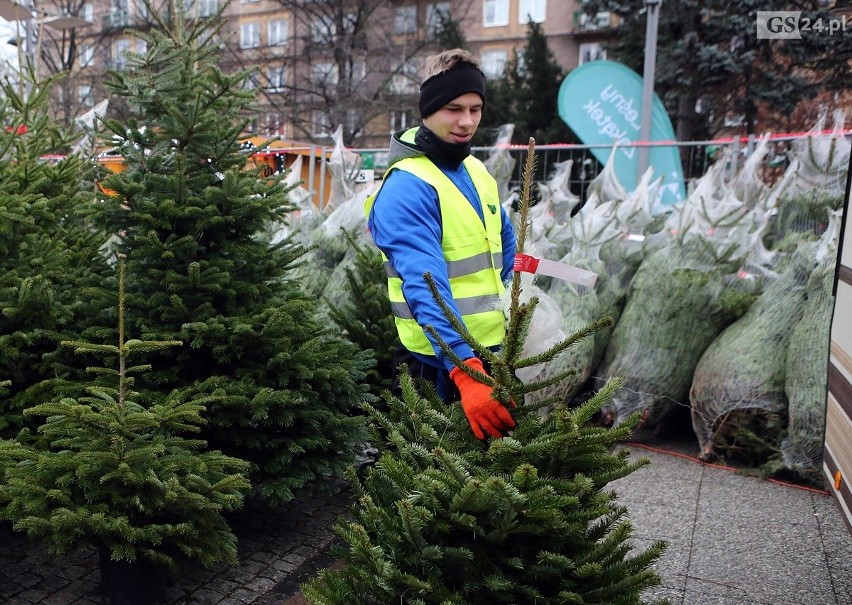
[
  {"x": 473, "y": 251},
  {"x": 457, "y": 268}
]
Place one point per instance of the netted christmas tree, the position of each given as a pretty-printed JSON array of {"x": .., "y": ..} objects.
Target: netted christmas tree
[
  {"x": 444, "y": 518},
  {"x": 191, "y": 217},
  {"x": 48, "y": 251}
]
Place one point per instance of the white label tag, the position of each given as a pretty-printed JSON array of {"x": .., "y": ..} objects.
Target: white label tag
[{"x": 552, "y": 268}]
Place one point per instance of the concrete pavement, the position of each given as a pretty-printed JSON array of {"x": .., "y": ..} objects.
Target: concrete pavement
[{"x": 735, "y": 539}]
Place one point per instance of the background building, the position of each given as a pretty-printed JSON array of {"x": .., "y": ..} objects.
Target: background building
[{"x": 316, "y": 64}]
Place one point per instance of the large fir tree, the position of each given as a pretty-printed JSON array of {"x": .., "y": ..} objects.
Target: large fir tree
[
  {"x": 189, "y": 215},
  {"x": 49, "y": 251},
  {"x": 444, "y": 518}
]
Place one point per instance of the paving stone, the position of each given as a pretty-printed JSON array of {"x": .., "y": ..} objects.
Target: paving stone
[
  {"x": 33, "y": 596},
  {"x": 223, "y": 586},
  {"x": 205, "y": 596},
  {"x": 73, "y": 572},
  {"x": 285, "y": 566},
  {"x": 264, "y": 557},
  {"x": 53, "y": 584},
  {"x": 61, "y": 598},
  {"x": 243, "y": 595},
  {"x": 28, "y": 580}
]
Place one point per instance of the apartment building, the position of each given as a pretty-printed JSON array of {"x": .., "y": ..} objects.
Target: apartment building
[{"x": 319, "y": 64}]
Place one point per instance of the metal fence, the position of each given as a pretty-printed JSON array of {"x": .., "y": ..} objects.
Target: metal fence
[{"x": 696, "y": 157}]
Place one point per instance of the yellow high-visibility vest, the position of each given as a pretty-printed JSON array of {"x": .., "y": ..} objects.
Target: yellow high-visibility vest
[{"x": 473, "y": 251}]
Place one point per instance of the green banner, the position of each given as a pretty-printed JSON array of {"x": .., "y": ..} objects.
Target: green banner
[{"x": 601, "y": 101}]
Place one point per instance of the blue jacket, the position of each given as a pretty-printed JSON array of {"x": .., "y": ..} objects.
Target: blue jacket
[{"x": 405, "y": 224}]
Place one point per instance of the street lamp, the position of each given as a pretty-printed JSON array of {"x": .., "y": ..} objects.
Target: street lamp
[{"x": 652, "y": 8}]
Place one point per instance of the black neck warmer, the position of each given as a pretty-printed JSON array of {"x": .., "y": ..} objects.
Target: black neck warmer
[{"x": 440, "y": 151}]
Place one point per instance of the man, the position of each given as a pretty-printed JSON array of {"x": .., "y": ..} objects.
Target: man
[{"x": 438, "y": 211}]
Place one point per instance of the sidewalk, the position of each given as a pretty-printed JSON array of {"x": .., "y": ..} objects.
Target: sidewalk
[{"x": 733, "y": 540}]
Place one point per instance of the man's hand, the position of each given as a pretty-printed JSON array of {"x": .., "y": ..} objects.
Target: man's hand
[{"x": 484, "y": 413}]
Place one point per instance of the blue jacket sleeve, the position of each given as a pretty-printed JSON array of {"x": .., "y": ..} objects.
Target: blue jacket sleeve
[
  {"x": 405, "y": 223},
  {"x": 509, "y": 246}
]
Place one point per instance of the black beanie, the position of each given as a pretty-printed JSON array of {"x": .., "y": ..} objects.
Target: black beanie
[{"x": 442, "y": 88}]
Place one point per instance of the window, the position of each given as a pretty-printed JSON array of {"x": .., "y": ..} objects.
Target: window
[
  {"x": 494, "y": 63},
  {"x": 277, "y": 78},
  {"x": 87, "y": 55},
  {"x": 405, "y": 19},
  {"x": 89, "y": 13},
  {"x": 405, "y": 80},
  {"x": 436, "y": 14},
  {"x": 356, "y": 71},
  {"x": 141, "y": 11},
  {"x": 401, "y": 120},
  {"x": 322, "y": 31},
  {"x": 495, "y": 13},
  {"x": 276, "y": 32},
  {"x": 119, "y": 58},
  {"x": 249, "y": 35},
  {"x": 251, "y": 82},
  {"x": 532, "y": 10},
  {"x": 141, "y": 46},
  {"x": 208, "y": 8},
  {"x": 354, "y": 121},
  {"x": 320, "y": 125},
  {"x": 324, "y": 73},
  {"x": 521, "y": 61},
  {"x": 118, "y": 15},
  {"x": 593, "y": 22},
  {"x": 274, "y": 125},
  {"x": 591, "y": 51},
  {"x": 84, "y": 95}
]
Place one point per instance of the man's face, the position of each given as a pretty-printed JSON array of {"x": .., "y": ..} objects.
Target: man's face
[{"x": 456, "y": 121}]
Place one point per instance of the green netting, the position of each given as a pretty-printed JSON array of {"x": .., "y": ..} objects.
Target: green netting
[
  {"x": 745, "y": 367},
  {"x": 679, "y": 301},
  {"x": 807, "y": 364}
]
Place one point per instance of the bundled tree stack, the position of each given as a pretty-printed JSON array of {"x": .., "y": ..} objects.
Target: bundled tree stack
[{"x": 677, "y": 277}]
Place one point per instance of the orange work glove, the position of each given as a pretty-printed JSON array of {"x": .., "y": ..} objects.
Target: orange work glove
[{"x": 484, "y": 413}]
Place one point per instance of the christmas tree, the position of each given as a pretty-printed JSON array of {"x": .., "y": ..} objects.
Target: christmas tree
[
  {"x": 445, "y": 518},
  {"x": 190, "y": 214},
  {"x": 48, "y": 251},
  {"x": 365, "y": 317},
  {"x": 118, "y": 475}
]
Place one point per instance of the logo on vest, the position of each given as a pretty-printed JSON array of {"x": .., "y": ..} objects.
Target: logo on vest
[{"x": 492, "y": 208}]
